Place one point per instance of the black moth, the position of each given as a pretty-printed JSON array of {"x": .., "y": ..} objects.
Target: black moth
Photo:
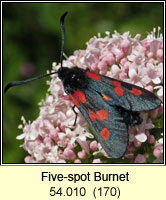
[{"x": 109, "y": 105}]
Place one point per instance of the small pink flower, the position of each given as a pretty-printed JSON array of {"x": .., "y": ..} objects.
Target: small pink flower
[
  {"x": 158, "y": 149},
  {"x": 151, "y": 139},
  {"x": 160, "y": 54},
  {"x": 140, "y": 159},
  {"x": 29, "y": 159},
  {"x": 137, "y": 143},
  {"x": 93, "y": 145},
  {"x": 97, "y": 161},
  {"x": 77, "y": 161},
  {"x": 69, "y": 154},
  {"x": 82, "y": 155},
  {"x": 126, "y": 46},
  {"x": 141, "y": 137},
  {"x": 157, "y": 153}
]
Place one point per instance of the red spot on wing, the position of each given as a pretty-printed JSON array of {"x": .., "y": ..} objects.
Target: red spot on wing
[
  {"x": 106, "y": 97},
  {"x": 80, "y": 95},
  {"x": 94, "y": 76},
  {"x": 119, "y": 91},
  {"x": 74, "y": 100},
  {"x": 105, "y": 133},
  {"x": 116, "y": 83},
  {"x": 136, "y": 91},
  {"x": 101, "y": 115},
  {"x": 92, "y": 115}
]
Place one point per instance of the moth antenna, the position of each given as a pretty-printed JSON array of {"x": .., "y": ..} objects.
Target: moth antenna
[
  {"x": 16, "y": 83},
  {"x": 63, "y": 35}
]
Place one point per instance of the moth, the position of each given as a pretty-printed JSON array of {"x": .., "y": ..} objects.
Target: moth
[{"x": 108, "y": 105}]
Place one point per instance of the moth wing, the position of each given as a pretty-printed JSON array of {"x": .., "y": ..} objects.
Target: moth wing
[
  {"x": 107, "y": 124},
  {"x": 126, "y": 95}
]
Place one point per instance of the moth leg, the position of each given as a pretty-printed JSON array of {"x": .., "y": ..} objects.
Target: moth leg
[{"x": 73, "y": 108}]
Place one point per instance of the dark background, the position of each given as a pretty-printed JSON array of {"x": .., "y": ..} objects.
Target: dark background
[{"x": 32, "y": 41}]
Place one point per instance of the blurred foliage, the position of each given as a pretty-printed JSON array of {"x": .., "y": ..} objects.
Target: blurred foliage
[{"x": 32, "y": 41}]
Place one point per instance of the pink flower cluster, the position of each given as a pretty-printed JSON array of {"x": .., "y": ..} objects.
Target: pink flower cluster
[{"x": 52, "y": 138}]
